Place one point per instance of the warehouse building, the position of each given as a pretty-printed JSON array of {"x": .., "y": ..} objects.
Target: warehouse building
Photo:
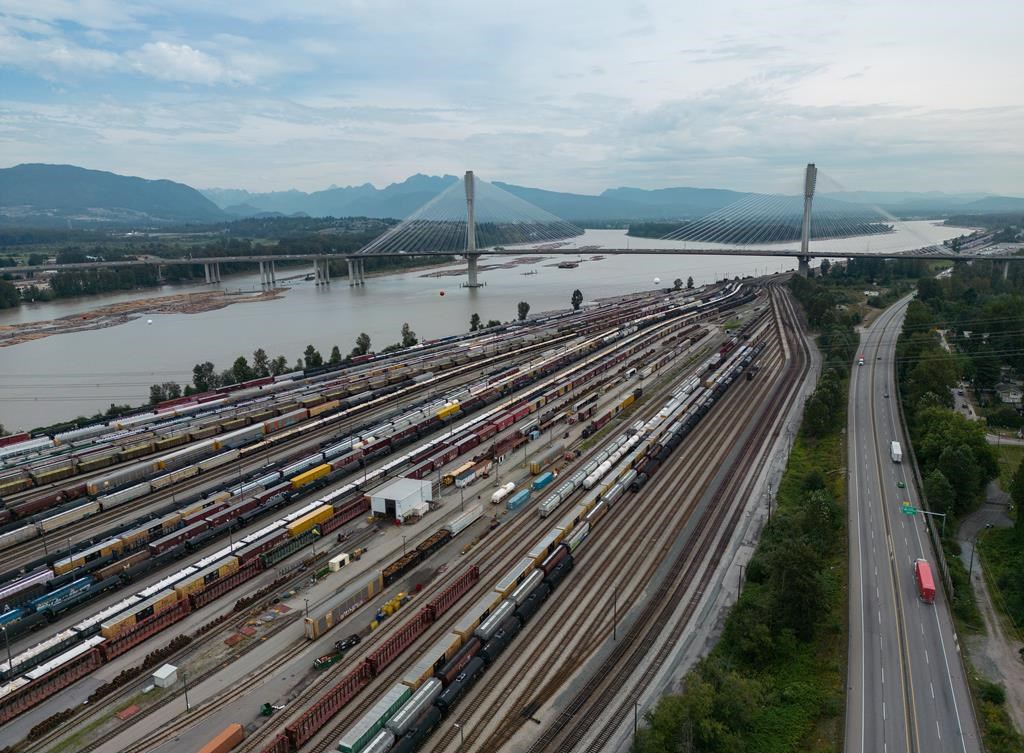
[{"x": 402, "y": 498}]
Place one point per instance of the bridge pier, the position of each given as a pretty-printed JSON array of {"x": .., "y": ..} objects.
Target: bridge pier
[
  {"x": 474, "y": 280},
  {"x": 804, "y": 266},
  {"x": 471, "y": 256},
  {"x": 212, "y": 270},
  {"x": 362, "y": 271},
  {"x": 1006, "y": 270},
  {"x": 355, "y": 272},
  {"x": 351, "y": 276}
]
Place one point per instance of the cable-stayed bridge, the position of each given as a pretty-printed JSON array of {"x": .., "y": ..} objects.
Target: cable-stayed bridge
[{"x": 473, "y": 217}]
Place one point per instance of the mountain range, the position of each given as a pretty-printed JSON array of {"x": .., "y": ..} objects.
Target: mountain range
[{"x": 38, "y": 194}]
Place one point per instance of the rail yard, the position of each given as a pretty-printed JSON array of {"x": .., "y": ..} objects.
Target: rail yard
[{"x": 579, "y": 478}]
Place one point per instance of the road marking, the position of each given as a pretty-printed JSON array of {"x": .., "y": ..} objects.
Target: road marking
[
  {"x": 921, "y": 624},
  {"x": 883, "y": 710},
  {"x": 937, "y": 730},
  {"x": 879, "y": 617},
  {"x": 926, "y": 659},
  {"x": 883, "y": 675},
  {"x": 932, "y": 688}
]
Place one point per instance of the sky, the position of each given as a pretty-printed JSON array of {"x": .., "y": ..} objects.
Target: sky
[{"x": 575, "y": 95}]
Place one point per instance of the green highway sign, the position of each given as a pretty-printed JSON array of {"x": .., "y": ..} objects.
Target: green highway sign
[{"x": 908, "y": 509}]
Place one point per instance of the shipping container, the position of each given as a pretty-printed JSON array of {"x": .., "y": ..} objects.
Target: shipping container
[{"x": 309, "y": 520}]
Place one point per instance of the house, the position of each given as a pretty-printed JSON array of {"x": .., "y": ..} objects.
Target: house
[{"x": 1010, "y": 393}]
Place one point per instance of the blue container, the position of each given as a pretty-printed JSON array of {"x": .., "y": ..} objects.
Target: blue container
[
  {"x": 542, "y": 480},
  {"x": 11, "y": 616},
  {"x": 517, "y": 500}
]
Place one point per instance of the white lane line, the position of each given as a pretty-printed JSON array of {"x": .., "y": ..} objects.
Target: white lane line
[
  {"x": 880, "y": 622},
  {"x": 932, "y": 687},
  {"x": 883, "y": 675},
  {"x": 877, "y": 594},
  {"x": 926, "y": 659},
  {"x": 921, "y": 625},
  {"x": 937, "y": 730},
  {"x": 883, "y": 710}
]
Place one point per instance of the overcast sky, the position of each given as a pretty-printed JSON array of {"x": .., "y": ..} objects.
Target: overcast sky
[{"x": 567, "y": 95}]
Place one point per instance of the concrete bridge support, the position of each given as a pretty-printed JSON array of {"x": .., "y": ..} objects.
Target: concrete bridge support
[
  {"x": 362, "y": 272},
  {"x": 212, "y": 271},
  {"x": 1006, "y": 270},
  {"x": 471, "y": 256},
  {"x": 810, "y": 178},
  {"x": 804, "y": 266},
  {"x": 355, "y": 272},
  {"x": 322, "y": 271}
]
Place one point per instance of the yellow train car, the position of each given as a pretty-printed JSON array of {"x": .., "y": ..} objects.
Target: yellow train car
[
  {"x": 197, "y": 582},
  {"x": 316, "y": 517},
  {"x": 449, "y": 410},
  {"x": 308, "y": 477},
  {"x": 138, "y": 613},
  {"x": 103, "y": 549},
  {"x": 324, "y": 408},
  {"x": 626, "y": 403}
]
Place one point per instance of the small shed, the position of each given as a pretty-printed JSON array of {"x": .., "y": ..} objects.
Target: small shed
[
  {"x": 401, "y": 497},
  {"x": 166, "y": 676}
]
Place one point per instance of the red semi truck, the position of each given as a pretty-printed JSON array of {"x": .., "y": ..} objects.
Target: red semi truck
[{"x": 925, "y": 582}]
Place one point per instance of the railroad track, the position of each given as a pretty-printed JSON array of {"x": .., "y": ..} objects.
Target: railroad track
[
  {"x": 96, "y": 525},
  {"x": 579, "y": 637},
  {"x": 604, "y": 690},
  {"x": 503, "y": 548}
]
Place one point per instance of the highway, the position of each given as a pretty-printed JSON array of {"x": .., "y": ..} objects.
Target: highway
[{"x": 906, "y": 688}]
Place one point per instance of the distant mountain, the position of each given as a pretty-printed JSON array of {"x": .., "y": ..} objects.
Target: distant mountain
[
  {"x": 996, "y": 204},
  {"x": 397, "y": 200},
  {"x": 36, "y": 194}
]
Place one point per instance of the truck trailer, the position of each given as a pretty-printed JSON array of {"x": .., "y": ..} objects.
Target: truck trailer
[
  {"x": 925, "y": 582},
  {"x": 897, "y": 452}
]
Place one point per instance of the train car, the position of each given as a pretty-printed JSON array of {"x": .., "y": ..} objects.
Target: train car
[
  {"x": 51, "y": 601},
  {"x": 311, "y": 475},
  {"x": 79, "y": 559},
  {"x": 517, "y": 500},
  {"x": 138, "y": 612},
  {"x": 25, "y": 587},
  {"x": 313, "y": 518},
  {"x": 198, "y": 582},
  {"x": 177, "y": 538},
  {"x": 115, "y": 499},
  {"x": 369, "y": 726},
  {"x": 79, "y": 512}
]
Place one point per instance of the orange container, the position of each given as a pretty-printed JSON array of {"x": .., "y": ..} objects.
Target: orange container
[{"x": 225, "y": 741}]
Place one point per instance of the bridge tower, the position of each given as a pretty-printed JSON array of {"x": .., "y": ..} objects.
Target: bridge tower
[
  {"x": 471, "y": 256},
  {"x": 811, "y": 177}
]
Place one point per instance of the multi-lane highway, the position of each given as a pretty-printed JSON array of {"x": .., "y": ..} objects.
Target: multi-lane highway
[{"x": 906, "y": 689}]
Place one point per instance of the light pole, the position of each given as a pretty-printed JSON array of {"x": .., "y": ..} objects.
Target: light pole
[
  {"x": 7, "y": 642},
  {"x": 462, "y": 734},
  {"x": 184, "y": 679},
  {"x": 462, "y": 498},
  {"x": 307, "y": 608},
  {"x": 403, "y": 545}
]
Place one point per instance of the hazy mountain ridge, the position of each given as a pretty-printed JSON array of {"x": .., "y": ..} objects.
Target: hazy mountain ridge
[{"x": 55, "y": 194}]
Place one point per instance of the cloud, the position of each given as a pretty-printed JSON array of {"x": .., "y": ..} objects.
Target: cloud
[
  {"x": 181, "y": 62},
  {"x": 52, "y": 53}
]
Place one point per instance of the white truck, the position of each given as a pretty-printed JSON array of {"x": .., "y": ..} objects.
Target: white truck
[{"x": 897, "y": 452}]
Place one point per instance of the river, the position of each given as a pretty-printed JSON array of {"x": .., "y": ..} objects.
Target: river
[{"x": 59, "y": 377}]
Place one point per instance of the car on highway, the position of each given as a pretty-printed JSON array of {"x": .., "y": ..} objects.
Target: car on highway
[{"x": 860, "y": 361}]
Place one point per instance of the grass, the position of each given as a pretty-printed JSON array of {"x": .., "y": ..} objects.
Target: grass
[
  {"x": 1002, "y": 555},
  {"x": 1010, "y": 457}
]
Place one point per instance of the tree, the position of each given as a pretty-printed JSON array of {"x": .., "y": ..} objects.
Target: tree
[
  {"x": 825, "y": 267},
  {"x": 260, "y": 363},
  {"x": 677, "y": 284},
  {"x": 1017, "y": 495},
  {"x": 362, "y": 345},
  {"x": 204, "y": 377},
  {"x": 493, "y": 323},
  {"x": 939, "y": 492},
  {"x": 313, "y": 357},
  {"x": 689, "y": 283},
  {"x": 156, "y": 394},
  {"x": 172, "y": 390},
  {"x": 335, "y": 355},
  {"x": 576, "y": 300},
  {"x": 408, "y": 336},
  {"x": 240, "y": 370},
  {"x": 278, "y": 366},
  {"x": 524, "y": 309},
  {"x": 474, "y": 322}
]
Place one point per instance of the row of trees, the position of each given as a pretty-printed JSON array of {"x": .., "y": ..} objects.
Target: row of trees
[{"x": 205, "y": 376}]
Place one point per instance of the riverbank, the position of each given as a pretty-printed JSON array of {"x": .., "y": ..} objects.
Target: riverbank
[{"x": 126, "y": 311}]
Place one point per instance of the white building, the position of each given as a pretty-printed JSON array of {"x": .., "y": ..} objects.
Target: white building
[{"x": 402, "y": 498}]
